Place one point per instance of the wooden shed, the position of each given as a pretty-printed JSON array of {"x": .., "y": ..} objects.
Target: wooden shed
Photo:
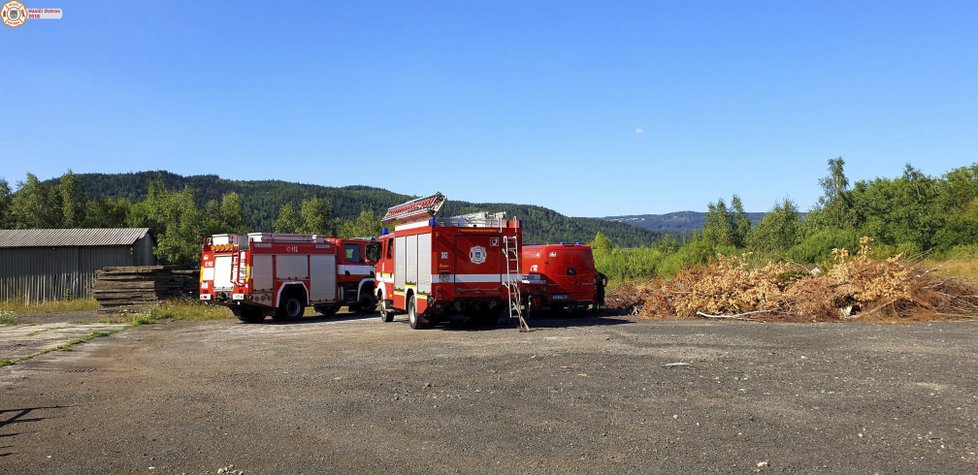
[{"x": 37, "y": 265}]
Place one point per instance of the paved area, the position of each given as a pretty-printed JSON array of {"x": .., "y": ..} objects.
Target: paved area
[
  {"x": 19, "y": 341},
  {"x": 609, "y": 395}
]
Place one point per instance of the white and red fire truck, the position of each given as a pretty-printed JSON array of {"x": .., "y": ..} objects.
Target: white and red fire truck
[
  {"x": 264, "y": 274},
  {"x": 432, "y": 267}
]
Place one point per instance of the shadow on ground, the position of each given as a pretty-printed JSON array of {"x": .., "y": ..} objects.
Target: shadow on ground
[
  {"x": 20, "y": 416},
  {"x": 464, "y": 323}
]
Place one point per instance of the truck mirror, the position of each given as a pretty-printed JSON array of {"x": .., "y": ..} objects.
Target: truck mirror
[{"x": 373, "y": 251}]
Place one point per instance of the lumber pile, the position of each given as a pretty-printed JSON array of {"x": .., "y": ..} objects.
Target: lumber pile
[{"x": 133, "y": 288}]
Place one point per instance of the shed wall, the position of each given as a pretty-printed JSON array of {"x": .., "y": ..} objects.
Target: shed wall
[{"x": 38, "y": 274}]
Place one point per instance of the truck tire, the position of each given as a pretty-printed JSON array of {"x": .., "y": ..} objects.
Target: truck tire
[
  {"x": 291, "y": 308},
  {"x": 366, "y": 305},
  {"x": 248, "y": 314},
  {"x": 386, "y": 312},
  {"x": 414, "y": 319}
]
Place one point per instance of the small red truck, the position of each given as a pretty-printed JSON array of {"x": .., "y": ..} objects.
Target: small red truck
[
  {"x": 432, "y": 267},
  {"x": 263, "y": 274},
  {"x": 559, "y": 276}
]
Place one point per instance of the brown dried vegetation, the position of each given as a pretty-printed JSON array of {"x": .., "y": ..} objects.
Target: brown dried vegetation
[{"x": 852, "y": 288}]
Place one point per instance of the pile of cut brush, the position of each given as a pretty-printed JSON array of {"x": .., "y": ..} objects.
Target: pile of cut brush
[{"x": 852, "y": 287}]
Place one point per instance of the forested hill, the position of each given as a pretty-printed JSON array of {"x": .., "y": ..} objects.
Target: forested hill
[{"x": 262, "y": 200}]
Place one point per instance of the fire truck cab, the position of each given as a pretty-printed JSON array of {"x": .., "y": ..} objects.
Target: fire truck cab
[
  {"x": 559, "y": 276},
  {"x": 355, "y": 273},
  {"x": 433, "y": 267},
  {"x": 263, "y": 274}
]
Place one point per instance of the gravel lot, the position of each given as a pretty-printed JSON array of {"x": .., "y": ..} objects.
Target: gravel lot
[{"x": 576, "y": 395}]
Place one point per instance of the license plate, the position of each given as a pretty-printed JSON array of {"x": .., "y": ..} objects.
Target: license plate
[{"x": 559, "y": 297}]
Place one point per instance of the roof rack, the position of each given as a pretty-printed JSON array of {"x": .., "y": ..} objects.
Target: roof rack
[{"x": 474, "y": 220}]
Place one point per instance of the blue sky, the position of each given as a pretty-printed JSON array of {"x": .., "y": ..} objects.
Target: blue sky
[{"x": 590, "y": 108}]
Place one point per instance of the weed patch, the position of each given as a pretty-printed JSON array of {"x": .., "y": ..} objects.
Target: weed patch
[
  {"x": 7, "y": 318},
  {"x": 54, "y": 306}
]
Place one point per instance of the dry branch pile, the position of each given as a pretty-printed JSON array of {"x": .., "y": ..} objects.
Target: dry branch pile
[
  {"x": 853, "y": 287},
  {"x": 124, "y": 289}
]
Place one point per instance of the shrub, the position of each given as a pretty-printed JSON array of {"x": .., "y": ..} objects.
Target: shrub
[{"x": 818, "y": 247}]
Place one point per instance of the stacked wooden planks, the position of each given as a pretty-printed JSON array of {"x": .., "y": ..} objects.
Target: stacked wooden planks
[{"x": 130, "y": 289}]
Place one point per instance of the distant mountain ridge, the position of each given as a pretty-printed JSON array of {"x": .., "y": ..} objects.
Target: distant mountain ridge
[
  {"x": 676, "y": 222},
  {"x": 262, "y": 200}
]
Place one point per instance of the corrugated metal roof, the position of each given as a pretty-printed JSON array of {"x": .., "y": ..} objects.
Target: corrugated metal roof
[{"x": 70, "y": 237}]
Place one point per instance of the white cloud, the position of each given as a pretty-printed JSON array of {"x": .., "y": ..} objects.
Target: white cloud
[{"x": 639, "y": 131}]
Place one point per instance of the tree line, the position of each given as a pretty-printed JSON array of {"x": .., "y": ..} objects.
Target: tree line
[
  {"x": 174, "y": 217},
  {"x": 914, "y": 214}
]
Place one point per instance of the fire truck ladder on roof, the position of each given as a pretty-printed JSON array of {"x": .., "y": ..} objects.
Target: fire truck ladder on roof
[{"x": 513, "y": 277}]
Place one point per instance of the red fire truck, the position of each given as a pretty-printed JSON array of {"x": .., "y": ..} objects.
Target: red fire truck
[
  {"x": 559, "y": 276},
  {"x": 281, "y": 274},
  {"x": 432, "y": 267}
]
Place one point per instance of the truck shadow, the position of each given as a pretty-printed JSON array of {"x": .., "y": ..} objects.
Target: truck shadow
[
  {"x": 463, "y": 323},
  {"x": 20, "y": 416},
  {"x": 311, "y": 319}
]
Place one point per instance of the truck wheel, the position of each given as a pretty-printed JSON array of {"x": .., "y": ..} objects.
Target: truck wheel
[
  {"x": 249, "y": 315},
  {"x": 386, "y": 312},
  {"x": 416, "y": 321},
  {"x": 367, "y": 304},
  {"x": 290, "y": 309},
  {"x": 327, "y": 310}
]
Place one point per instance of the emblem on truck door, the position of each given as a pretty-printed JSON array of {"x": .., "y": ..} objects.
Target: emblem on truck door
[{"x": 477, "y": 254}]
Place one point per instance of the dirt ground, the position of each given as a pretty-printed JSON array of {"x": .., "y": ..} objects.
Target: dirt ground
[{"x": 591, "y": 395}]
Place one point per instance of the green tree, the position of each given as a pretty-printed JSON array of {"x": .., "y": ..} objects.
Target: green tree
[
  {"x": 601, "y": 244},
  {"x": 740, "y": 223},
  {"x": 175, "y": 220},
  {"x": 315, "y": 213},
  {"x": 110, "y": 213},
  {"x": 232, "y": 215},
  {"x": 961, "y": 227},
  {"x": 5, "y": 196},
  {"x": 72, "y": 199},
  {"x": 32, "y": 206},
  {"x": 835, "y": 207},
  {"x": 212, "y": 220},
  {"x": 288, "y": 220},
  {"x": 718, "y": 226},
  {"x": 778, "y": 231},
  {"x": 367, "y": 224}
]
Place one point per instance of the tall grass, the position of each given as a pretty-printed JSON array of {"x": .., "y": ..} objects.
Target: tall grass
[
  {"x": 963, "y": 268},
  {"x": 171, "y": 310},
  {"x": 53, "y": 306}
]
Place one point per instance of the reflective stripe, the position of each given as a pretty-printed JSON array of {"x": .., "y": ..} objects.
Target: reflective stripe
[
  {"x": 356, "y": 269},
  {"x": 474, "y": 278}
]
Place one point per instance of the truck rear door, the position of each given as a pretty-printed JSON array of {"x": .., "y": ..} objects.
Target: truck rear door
[
  {"x": 223, "y": 268},
  {"x": 478, "y": 265}
]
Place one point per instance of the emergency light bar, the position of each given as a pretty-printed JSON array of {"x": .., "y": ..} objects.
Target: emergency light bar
[{"x": 427, "y": 206}]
